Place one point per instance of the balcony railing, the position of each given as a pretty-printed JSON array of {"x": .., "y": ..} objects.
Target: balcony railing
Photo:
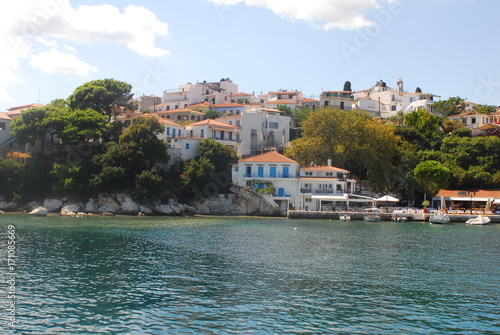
[{"x": 261, "y": 176}]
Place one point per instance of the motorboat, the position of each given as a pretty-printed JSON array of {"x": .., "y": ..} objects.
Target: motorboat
[
  {"x": 478, "y": 221},
  {"x": 398, "y": 216},
  {"x": 372, "y": 214},
  {"x": 345, "y": 217},
  {"x": 439, "y": 218}
]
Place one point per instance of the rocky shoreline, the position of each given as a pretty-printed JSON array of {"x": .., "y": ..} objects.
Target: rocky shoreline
[{"x": 239, "y": 202}]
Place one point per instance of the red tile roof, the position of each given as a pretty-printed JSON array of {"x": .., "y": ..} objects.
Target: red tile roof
[
  {"x": 479, "y": 193},
  {"x": 212, "y": 122},
  {"x": 227, "y": 104},
  {"x": 269, "y": 157},
  {"x": 280, "y": 102},
  {"x": 180, "y": 110},
  {"x": 323, "y": 168},
  {"x": 4, "y": 116}
]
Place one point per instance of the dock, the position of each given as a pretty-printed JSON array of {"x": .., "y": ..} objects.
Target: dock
[{"x": 358, "y": 216}]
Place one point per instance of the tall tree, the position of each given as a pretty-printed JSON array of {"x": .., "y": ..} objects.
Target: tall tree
[
  {"x": 451, "y": 106},
  {"x": 432, "y": 176},
  {"x": 106, "y": 96},
  {"x": 353, "y": 140},
  {"x": 347, "y": 86}
]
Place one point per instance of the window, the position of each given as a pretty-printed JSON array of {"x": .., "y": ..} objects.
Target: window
[
  {"x": 272, "y": 171},
  {"x": 187, "y": 145},
  {"x": 202, "y": 135},
  {"x": 176, "y": 106},
  {"x": 3, "y": 125},
  {"x": 325, "y": 103},
  {"x": 236, "y": 169},
  {"x": 308, "y": 200},
  {"x": 248, "y": 171},
  {"x": 342, "y": 105},
  {"x": 237, "y": 123},
  {"x": 230, "y": 123},
  {"x": 329, "y": 174},
  {"x": 393, "y": 107},
  {"x": 168, "y": 108},
  {"x": 309, "y": 173},
  {"x": 168, "y": 131},
  {"x": 473, "y": 120},
  {"x": 273, "y": 125}
]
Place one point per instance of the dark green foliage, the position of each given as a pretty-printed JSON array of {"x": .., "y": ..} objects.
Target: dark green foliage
[
  {"x": 105, "y": 96},
  {"x": 12, "y": 173},
  {"x": 347, "y": 86},
  {"x": 212, "y": 114},
  {"x": 451, "y": 106},
  {"x": 432, "y": 176},
  {"x": 284, "y": 108},
  {"x": 221, "y": 156}
]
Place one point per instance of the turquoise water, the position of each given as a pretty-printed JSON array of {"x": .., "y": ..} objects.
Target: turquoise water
[{"x": 203, "y": 275}]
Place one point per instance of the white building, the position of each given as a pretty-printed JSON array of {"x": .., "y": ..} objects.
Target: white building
[
  {"x": 189, "y": 94},
  {"x": 216, "y": 130},
  {"x": 326, "y": 188},
  {"x": 383, "y": 101},
  {"x": 337, "y": 99},
  {"x": 260, "y": 130},
  {"x": 272, "y": 172},
  {"x": 473, "y": 120}
]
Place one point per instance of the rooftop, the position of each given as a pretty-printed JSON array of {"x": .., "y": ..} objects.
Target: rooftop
[{"x": 269, "y": 157}]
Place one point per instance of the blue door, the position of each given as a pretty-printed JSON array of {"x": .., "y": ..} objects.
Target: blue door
[
  {"x": 272, "y": 172},
  {"x": 260, "y": 171},
  {"x": 281, "y": 192},
  {"x": 286, "y": 171}
]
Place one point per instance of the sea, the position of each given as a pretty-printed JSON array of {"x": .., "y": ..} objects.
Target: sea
[{"x": 246, "y": 275}]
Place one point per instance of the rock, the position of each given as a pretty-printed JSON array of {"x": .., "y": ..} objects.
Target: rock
[
  {"x": 39, "y": 211},
  {"x": 130, "y": 207},
  {"x": 107, "y": 204},
  {"x": 8, "y": 205},
  {"x": 164, "y": 209},
  {"x": 52, "y": 205},
  {"x": 81, "y": 215},
  {"x": 70, "y": 210},
  {"x": 32, "y": 205},
  {"x": 91, "y": 206},
  {"x": 145, "y": 210},
  {"x": 1, "y": 213}
]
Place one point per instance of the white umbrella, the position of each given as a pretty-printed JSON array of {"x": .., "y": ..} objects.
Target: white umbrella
[{"x": 388, "y": 198}]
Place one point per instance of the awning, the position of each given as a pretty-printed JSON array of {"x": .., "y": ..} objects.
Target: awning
[
  {"x": 330, "y": 197},
  {"x": 387, "y": 198}
]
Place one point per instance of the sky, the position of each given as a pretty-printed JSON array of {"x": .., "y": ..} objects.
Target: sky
[{"x": 446, "y": 47}]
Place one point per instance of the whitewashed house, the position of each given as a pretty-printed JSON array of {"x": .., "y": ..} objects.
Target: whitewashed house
[
  {"x": 473, "y": 120},
  {"x": 337, "y": 99},
  {"x": 272, "y": 172},
  {"x": 213, "y": 129},
  {"x": 260, "y": 130},
  {"x": 326, "y": 188}
]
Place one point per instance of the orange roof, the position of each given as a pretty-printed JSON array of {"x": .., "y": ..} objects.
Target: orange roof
[
  {"x": 466, "y": 114},
  {"x": 227, "y": 104},
  {"x": 20, "y": 108},
  {"x": 479, "y": 193},
  {"x": 200, "y": 104},
  {"x": 269, "y": 157},
  {"x": 212, "y": 122},
  {"x": 280, "y": 102},
  {"x": 323, "y": 168},
  {"x": 180, "y": 110},
  {"x": 240, "y": 94},
  {"x": 5, "y": 116}
]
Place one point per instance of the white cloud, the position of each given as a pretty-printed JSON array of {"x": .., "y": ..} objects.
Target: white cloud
[
  {"x": 326, "y": 14},
  {"x": 55, "y": 62},
  {"x": 32, "y": 29}
]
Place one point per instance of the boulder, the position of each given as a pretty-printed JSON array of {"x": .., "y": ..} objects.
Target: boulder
[
  {"x": 130, "y": 207},
  {"x": 52, "y": 205},
  {"x": 39, "y": 211},
  {"x": 8, "y": 205},
  {"x": 164, "y": 209},
  {"x": 32, "y": 205},
  {"x": 145, "y": 210},
  {"x": 91, "y": 206},
  {"x": 70, "y": 210}
]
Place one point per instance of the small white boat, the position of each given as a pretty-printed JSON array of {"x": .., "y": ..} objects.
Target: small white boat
[
  {"x": 345, "y": 217},
  {"x": 398, "y": 216},
  {"x": 439, "y": 218},
  {"x": 478, "y": 221},
  {"x": 372, "y": 214}
]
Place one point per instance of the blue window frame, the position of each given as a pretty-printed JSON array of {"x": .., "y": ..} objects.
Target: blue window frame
[
  {"x": 260, "y": 171},
  {"x": 286, "y": 171},
  {"x": 272, "y": 171}
]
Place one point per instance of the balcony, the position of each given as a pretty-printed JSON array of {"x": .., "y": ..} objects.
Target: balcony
[{"x": 267, "y": 176}]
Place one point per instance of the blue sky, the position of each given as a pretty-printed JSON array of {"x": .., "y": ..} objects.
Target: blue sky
[{"x": 446, "y": 47}]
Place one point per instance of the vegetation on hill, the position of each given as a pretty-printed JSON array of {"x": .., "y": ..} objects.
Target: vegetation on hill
[{"x": 86, "y": 151}]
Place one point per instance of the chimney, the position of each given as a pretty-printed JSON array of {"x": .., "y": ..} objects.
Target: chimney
[{"x": 329, "y": 162}]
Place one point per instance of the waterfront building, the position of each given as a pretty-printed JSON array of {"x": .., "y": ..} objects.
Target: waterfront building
[
  {"x": 270, "y": 172},
  {"x": 467, "y": 201}
]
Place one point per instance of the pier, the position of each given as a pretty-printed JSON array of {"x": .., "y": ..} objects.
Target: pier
[{"x": 355, "y": 216}]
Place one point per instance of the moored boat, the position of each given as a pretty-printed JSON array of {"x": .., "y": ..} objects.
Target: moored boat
[
  {"x": 478, "y": 221},
  {"x": 372, "y": 214},
  {"x": 439, "y": 218},
  {"x": 345, "y": 217}
]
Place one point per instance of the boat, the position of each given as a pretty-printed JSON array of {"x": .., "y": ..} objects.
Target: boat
[
  {"x": 372, "y": 214},
  {"x": 398, "y": 216},
  {"x": 478, "y": 221},
  {"x": 439, "y": 218},
  {"x": 345, "y": 217}
]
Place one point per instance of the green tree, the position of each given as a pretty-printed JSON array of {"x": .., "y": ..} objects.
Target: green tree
[
  {"x": 212, "y": 114},
  {"x": 429, "y": 125},
  {"x": 484, "y": 109},
  {"x": 353, "y": 140},
  {"x": 106, "y": 96},
  {"x": 30, "y": 125},
  {"x": 418, "y": 90},
  {"x": 432, "y": 176},
  {"x": 284, "y": 108},
  {"x": 451, "y": 106},
  {"x": 11, "y": 182},
  {"x": 347, "y": 86},
  {"x": 220, "y": 155}
]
